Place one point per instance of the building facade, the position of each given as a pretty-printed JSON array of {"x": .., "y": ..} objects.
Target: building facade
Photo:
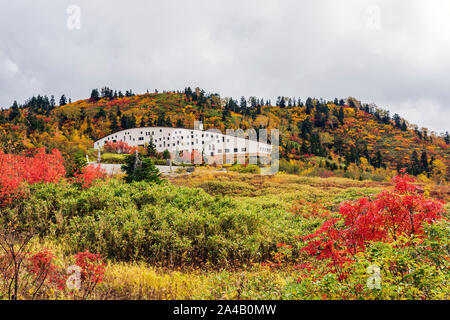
[{"x": 211, "y": 145}]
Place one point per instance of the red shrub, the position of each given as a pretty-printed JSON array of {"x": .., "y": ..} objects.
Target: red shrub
[
  {"x": 119, "y": 147},
  {"x": 89, "y": 175},
  {"x": 92, "y": 269},
  {"x": 18, "y": 169},
  {"x": 401, "y": 212},
  {"x": 42, "y": 267}
]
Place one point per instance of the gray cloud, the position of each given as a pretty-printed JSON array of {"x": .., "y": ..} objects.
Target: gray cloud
[{"x": 323, "y": 48}]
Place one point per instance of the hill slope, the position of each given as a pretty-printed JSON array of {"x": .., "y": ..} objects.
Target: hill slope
[{"x": 316, "y": 137}]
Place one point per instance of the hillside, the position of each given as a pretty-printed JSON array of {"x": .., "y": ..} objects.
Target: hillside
[{"x": 317, "y": 137}]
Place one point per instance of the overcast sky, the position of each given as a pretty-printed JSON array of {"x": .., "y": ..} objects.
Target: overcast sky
[{"x": 393, "y": 53}]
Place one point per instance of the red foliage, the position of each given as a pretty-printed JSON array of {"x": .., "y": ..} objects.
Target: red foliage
[
  {"x": 42, "y": 267},
  {"x": 89, "y": 175},
  {"x": 92, "y": 268},
  {"x": 119, "y": 147},
  {"x": 386, "y": 217},
  {"x": 18, "y": 169}
]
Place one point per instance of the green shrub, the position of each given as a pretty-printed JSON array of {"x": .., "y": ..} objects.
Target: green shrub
[
  {"x": 140, "y": 168},
  {"x": 156, "y": 223},
  {"x": 250, "y": 168}
]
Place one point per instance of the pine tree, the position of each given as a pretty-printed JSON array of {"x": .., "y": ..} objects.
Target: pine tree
[
  {"x": 404, "y": 127},
  {"x": 95, "y": 95},
  {"x": 63, "y": 100},
  {"x": 151, "y": 148},
  {"x": 415, "y": 164},
  {"x": 15, "y": 112},
  {"x": 341, "y": 115},
  {"x": 424, "y": 162},
  {"x": 114, "y": 124},
  {"x": 140, "y": 168}
]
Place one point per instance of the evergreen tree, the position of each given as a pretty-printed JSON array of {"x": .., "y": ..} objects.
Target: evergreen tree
[
  {"x": 63, "y": 100},
  {"x": 243, "y": 104},
  {"x": 140, "y": 168},
  {"x": 424, "y": 162},
  {"x": 95, "y": 95},
  {"x": 415, "y": 164},
  {"x": 114, "y": 124},
  {"x": 404, "y": 127},
  {"x": 282, "y": 103},
  {"x": 15, "y": 112},
  {"x": 151, "y": 148},
  {"x": 341, "y": 115},
  {"x": 309, "y": 105}
]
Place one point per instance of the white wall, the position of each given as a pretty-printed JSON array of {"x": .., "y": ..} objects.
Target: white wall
[{"x": 211, "y": 142}]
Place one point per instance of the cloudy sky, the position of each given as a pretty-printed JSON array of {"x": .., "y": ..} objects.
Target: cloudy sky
[{"x": 393, "y": 53}]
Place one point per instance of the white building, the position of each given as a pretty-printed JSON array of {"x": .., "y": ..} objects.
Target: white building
[{"x": 211, "y": 144}]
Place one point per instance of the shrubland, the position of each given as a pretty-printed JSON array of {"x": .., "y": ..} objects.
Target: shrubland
[{"x": 224, "y": 235}]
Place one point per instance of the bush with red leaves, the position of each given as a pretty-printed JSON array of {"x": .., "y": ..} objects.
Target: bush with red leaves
[
  {"x": 15, "y": 170},
  {"x": 119, "y": 147},
  {"x": 89, "y": 175},
  {"x": 402, "y": 212},
  {"x": 42, "y": 267},
  {"x": 92, "y": 270}
]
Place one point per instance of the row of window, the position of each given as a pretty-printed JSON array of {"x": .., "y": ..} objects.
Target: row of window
[{"x": 177, "y": 138}]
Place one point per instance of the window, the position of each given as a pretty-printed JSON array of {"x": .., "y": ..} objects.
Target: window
[
  {"x": 141, "y": 138},
  {"x": 244, "y": 149},
  {"x": 235, "y": 149}
]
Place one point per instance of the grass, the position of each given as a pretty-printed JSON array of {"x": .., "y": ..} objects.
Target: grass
[{"x": 113, "y": 158}]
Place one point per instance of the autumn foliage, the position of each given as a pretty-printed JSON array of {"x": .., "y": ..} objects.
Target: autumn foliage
[
  {"x": 28, "y": 168},
  {"x": 89, "y": 175},
  {"x": 92, "y": 269},
  {"x": 119, "y": 147},
  {"x": 402, "y": 212}
]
